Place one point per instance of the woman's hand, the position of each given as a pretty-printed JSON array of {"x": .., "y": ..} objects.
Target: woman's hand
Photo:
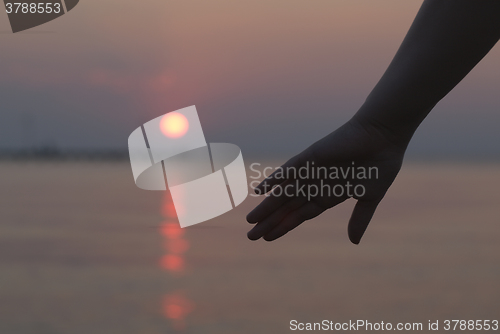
[{"x": 375, "y": 157}]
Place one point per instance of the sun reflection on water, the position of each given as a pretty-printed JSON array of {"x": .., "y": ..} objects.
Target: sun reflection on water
[{"x": 176, "y": 306}]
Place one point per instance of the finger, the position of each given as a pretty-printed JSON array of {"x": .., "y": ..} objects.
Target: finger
[
  {"x": 278, "y": 176},
  {"x": 271, "y": 203},
  {"x": 360, "y": 218},
  {"x": 294, "y": 219},
  {"x": 266, "y": 225}
]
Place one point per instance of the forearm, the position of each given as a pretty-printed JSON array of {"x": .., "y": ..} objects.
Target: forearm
[{"x": 446, "y": 40}]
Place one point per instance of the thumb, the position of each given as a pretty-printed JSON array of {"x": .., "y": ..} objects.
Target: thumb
[{"x": 360, "y": 218}]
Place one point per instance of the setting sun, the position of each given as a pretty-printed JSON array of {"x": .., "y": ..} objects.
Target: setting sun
[{"x": 174, "y": 125}]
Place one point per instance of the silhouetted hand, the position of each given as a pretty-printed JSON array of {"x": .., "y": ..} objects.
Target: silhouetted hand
[{"x": 294, "y": 199}]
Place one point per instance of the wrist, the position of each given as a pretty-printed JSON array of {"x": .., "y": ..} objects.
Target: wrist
[
  {"x": 396, "y": 118},
  {"x": 398, "y": 137}
]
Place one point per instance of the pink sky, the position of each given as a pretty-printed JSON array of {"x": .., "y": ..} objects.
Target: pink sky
[{"x": 267, "y": 65}]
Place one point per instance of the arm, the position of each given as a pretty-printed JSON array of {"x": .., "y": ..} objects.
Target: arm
[{"x": 446, "y": 40}]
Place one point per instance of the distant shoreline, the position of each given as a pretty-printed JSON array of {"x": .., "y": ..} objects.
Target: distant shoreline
[
  {"x": 50, "y": 154},
  {"x": 55, "y": 154}
]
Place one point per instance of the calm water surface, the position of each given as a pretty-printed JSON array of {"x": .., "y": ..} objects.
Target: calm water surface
[{"x": 82, "y": 250}]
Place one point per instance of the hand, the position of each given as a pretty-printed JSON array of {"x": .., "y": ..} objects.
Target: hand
[{"x": 294, "y": 198}]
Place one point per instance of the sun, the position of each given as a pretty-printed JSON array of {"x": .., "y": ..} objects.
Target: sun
[{"x": 174, "y": 125}]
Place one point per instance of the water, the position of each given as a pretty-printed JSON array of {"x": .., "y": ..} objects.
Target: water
[{"x": 82, "y": 250}]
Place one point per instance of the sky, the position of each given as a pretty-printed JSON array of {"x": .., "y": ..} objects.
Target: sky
[{"x": 270, "y": 76}]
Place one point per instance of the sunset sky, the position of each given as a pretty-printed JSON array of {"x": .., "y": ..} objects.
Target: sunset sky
[{"x": 269, "y": 76}]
